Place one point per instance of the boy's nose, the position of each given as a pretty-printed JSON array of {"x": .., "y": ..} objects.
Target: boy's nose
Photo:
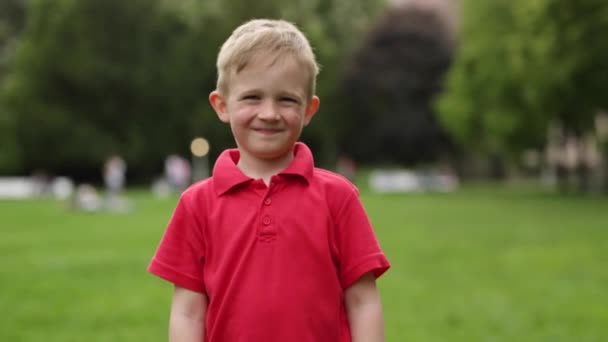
[{"x": 268, "y": 111}]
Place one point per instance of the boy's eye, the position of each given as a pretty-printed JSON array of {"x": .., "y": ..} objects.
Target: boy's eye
[
  {"x": 288, "y": 100},
  {"x": 251, "y": 97}
]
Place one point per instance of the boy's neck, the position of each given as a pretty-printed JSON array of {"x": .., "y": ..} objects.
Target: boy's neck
[{"x": 264, "y": 169}]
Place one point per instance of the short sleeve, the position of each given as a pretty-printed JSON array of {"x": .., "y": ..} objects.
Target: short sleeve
[
  {"x": 358, "y": 245},
  {"x": 180, "y": 255}
]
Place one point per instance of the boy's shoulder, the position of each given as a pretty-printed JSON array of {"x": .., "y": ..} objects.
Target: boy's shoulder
[
  {"x": 334, "y": 183},
  {"x": 202, "y": 188}
]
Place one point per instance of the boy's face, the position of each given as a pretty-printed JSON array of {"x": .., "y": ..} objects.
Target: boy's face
[{"x": 267, "y": 107}]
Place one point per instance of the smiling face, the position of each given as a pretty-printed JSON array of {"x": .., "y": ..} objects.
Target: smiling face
[{"x": 267, "y": 105}]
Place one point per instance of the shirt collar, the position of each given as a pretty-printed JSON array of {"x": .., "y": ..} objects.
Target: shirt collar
[{"x": 226, "y": 174}]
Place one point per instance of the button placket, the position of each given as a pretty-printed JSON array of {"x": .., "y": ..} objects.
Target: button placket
[{"x": 267, "y": 230}]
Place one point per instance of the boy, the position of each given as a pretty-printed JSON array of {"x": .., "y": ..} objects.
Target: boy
[{"x": 270, "y": 248}]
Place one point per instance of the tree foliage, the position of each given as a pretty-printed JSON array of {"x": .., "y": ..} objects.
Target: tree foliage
[
  {"x": 390, "y": 86},
  {"x": 97, "y": 77},
  {"x": 12, "y": 18},
  {"x": 522, "y": 64}
]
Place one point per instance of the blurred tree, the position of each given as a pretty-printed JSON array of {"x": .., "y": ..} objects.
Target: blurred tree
[
  {"x": 522, "y": 64},
  {"x": 12, "y": 19},
  {"x": 389, "y": 88},
  {"x": 98, "y": 77},
  {"x": 336, "y": 28}
]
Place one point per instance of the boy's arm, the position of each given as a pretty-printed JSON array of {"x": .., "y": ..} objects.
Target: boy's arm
[
  {"x": 188, "y": 311},
  {"x": 364, "y": 310}
]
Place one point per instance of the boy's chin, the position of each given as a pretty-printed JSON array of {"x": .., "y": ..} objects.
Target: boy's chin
[{"x": 270, "y": 153}]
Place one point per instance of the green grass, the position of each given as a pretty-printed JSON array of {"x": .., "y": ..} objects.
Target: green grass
[{"x": 484, "y": 264}]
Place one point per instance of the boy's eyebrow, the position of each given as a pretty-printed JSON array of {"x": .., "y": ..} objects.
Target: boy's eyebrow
[
  {"x": 281, "y": 93},
  {"x": 289, "y": 93},
  {"x": 242, "y": 92}
]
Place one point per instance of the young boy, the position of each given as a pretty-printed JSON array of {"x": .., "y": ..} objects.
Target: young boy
[{"x": 270, "y": 248}]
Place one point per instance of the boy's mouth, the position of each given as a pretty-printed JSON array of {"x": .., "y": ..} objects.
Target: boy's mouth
[{"x": 267, "y": 131}]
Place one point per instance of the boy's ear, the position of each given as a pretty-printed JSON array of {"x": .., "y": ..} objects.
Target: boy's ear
[
  {"x": 219, "y": 105},
  {"x": 311, "y": 109}
]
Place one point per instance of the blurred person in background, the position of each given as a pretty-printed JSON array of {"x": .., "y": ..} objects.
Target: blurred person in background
[
  {"x": 177, "y": 172},
  {"x": 114, "y": 177}
]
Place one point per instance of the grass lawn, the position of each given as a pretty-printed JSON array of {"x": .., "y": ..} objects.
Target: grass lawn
[{"x": 483, "y": 264}]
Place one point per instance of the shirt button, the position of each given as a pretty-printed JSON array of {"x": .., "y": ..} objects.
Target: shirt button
[
  {"x": 266, "y": 220},
  {"x": 267, "y": 201}
]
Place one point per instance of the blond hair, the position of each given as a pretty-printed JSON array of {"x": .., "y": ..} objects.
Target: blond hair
[{"x": 272, "y": 39}]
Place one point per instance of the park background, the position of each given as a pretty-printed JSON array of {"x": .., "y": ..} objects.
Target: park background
[{"x": 508, "y": 96}]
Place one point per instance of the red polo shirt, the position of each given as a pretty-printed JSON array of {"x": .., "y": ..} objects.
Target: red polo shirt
[{"x": 274, "y": 261}]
